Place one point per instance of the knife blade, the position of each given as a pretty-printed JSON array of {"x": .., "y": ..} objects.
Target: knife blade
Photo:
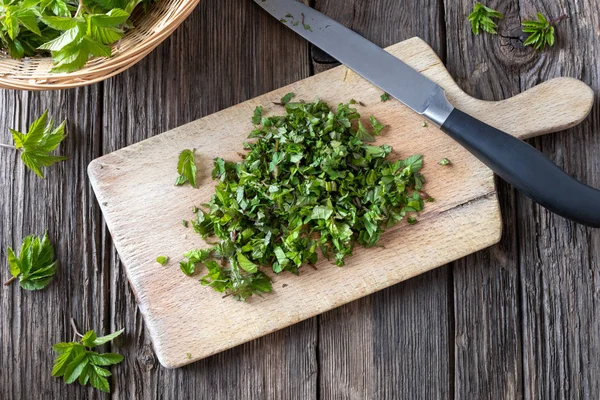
[
  {"x": 362, "y": 56},
  {"x": 515, "y": 161}
]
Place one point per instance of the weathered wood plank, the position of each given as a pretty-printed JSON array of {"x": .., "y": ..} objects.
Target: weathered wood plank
[
  {"x": 376, "y": 347},
  {"x": 559, "y": 260},
  {"x": 30, "y": 322},
  {"x": 487, "y": 327},
  {"x": 226, "y": 52}
]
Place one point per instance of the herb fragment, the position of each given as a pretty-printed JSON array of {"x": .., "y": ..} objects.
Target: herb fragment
[
  {"x": 481, "y": 18},
  {"x": 186, "y": 167},
  {"x": 412, "y": 220},
  {"x": 162, "y": 260},
  {"x": 37, "y": 144},
  {"x": 35, "y": 265},
  {"x": 77, "y": 361},
  {"x": 385, "y": 97},
  {"x": 309, "y": 182},
  {"x": 287, "y": 98},
  {"x": 184, "y": 222},
  {"x": 541, "y": 32},
  {"x": 445, "y": 161}
]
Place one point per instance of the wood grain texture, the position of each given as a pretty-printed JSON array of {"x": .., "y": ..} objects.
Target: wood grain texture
[
  {"x": 63, "y": 203},
  {"x": 560, "y": 260},
  {"x": 487, "y": 327},
  {"x": 136, "y": 180}
]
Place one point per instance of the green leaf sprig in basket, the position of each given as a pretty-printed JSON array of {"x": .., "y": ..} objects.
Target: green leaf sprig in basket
[{"x": 70, "y": 31}]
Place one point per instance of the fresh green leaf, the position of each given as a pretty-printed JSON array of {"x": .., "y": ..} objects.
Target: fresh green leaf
[
  {"x": 38, "y": 142},
  {"x": 77, "y": 362},
  {"x": 105, "y": 339},
  {"x": 162, "y": 260},
  {"x": 385, "y": 96},
  {"x": 186, "y": 167},
  {"x": 286, "y": 99},
  {"x": 35, "y": 265},
  {"x": 482, "y": 19},
  {"x": 445, "y": 161},
  {"x": 541, "y": 32}
]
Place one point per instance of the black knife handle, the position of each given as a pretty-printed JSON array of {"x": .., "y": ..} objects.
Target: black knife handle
[{"x": 525, "y": 168}]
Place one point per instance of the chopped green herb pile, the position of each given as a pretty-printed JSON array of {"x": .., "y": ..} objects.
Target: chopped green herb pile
[
  {"x": 76, "y": 361},
  {"x": 311, "y": 180},
  {"x": 71, "y": 31},
  {"x": 35, "y": 265},
  {"x": 481, "y": 19}
]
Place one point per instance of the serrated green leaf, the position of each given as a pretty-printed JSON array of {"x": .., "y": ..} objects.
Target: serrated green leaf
[
  {"x": 101, "y": 371},
  {"x": 59, "y": 23},
  {"x": 13, "y": 263},
  {"x": 88, "y": 338},
  {"x": 186, "y": 167},
  {"x": 106, "y": 359},
  {"x": 112, "y": 19},
  {"x": 67, "y": 37},
  {"x": 246, "y": 264},
  {"x": 75, "y": 367},
  {"x": 104, "y": 339},
  {"x": 99, "y": 382}
]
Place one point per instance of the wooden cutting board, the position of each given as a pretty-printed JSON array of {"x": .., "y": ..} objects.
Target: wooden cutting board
[{"x": 144, "y": 210}]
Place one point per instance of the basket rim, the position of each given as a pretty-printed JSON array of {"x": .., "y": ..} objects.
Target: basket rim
[{"x": 105, "y": 69}]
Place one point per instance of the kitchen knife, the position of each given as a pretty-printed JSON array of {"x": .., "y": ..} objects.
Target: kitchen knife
[{"x": 515, "y": 161}]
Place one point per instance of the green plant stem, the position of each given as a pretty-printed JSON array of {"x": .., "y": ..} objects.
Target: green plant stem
[
  {"x": 8, "y": 146},
  {"x": 8, "y": 282}
]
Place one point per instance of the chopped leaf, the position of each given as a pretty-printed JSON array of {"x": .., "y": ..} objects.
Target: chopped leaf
[
  {"x": 37, "y": 144},
  {"x": 286, "y": 99},
  {"x": 162, "y": 260},
  {"x": 385, "y": 96},
  {"x": 481, "y": 18},
  {"x": 309, "y": 183},
  {"x": 445, "y": 161},
  {"x": 186, "y": 167},
  {"x": 35, "y": 265}
]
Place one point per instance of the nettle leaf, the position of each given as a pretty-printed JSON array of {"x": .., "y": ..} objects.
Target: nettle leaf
[
  {"x": 105, "y": 339},
  {"x": 542, "y": 32},
  {"x": 77, "y": 362},
  {"x": 38, "y": 142},
  {"x": 186, "y": 167},
  {"x": 35, "y": 265},
  {"x": 481, "y": 19}
]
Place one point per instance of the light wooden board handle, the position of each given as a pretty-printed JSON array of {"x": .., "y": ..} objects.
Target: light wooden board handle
[{"x": 551, "y": 106}]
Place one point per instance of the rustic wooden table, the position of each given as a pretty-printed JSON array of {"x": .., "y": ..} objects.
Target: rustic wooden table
[{"x": 519, "y": 320}]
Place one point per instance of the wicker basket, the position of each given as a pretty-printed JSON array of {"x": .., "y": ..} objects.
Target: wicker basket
[{"x": 151, "y": 28}]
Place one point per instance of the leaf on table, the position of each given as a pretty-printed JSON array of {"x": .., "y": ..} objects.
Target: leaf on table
[
  {"x": 35, "y": 265},
  {"x": 77, "y": 362},
  {"x": 186, "y": 167},
  {"x": 41, "y": 139}
]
